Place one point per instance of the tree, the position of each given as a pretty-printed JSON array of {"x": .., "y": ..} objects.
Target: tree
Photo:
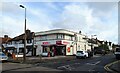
[{"x": 104, "y": 46}]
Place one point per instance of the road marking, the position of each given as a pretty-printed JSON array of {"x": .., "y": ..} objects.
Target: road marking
[
  {"x": 63, "y": 66},
  {"x": 97, "y": 62},
  {"x": 106, "y": 67},
  {"x": 96, "y": 56},
  {"x": 94, "y": 63},
  {"x": 67, "y": 67}
]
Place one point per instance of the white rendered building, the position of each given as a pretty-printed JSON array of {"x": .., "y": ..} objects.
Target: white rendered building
[{"x": 60, "y": 41}]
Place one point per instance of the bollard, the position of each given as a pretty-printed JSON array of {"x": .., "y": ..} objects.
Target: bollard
[
  {"x": 13, "y": 56},
  {"x": 48, "y": 54}
]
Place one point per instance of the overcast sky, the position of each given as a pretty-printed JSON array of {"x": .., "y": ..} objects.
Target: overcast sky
[{"x": 92, "y": 18}]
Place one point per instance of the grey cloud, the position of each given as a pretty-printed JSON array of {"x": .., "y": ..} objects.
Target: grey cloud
[
  {"x": 11, "y": 8},
  {"x": 74, "y": 23},
  {"x": 101, "y": 9},
  {"x": 101, "y": 6}
]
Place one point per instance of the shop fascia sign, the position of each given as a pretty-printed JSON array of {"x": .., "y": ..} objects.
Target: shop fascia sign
[
  {"x": 45, "y": 43},
  {"x": 62, "y": 42},
  {"x": 65, "y": 42}
]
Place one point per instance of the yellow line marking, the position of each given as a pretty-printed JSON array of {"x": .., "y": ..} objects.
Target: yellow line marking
[{"x": 106, "y": 67}]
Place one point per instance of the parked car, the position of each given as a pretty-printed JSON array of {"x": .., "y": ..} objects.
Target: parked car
[
  {"x": 81, "y": 54},
  {"x": 99, "y": 51},
  {"x": 45, "y": 54},
  {"x": 90, "y": 54},
  {"x": 48, "y": 54},
  {"x": 117, "y": 53},
  {"x": 3, "y": 57}
]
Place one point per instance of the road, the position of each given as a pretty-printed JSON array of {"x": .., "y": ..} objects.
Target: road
[{"x": 95, "y": 63}]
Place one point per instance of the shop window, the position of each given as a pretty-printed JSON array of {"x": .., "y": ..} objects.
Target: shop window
[{"x": 45, "y": 49}]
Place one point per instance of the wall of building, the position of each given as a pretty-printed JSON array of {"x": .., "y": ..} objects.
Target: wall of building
[
  {"x": 72, "y": 42},
  {"x": 53, "y": 42},
  {"x": 82, "y": 43}
]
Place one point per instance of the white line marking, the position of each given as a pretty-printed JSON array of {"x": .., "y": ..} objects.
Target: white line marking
[
  {"x": 97, "y": 62},
  {"x": 94, "y": 63},
  {"x": 67, "y": 67}
]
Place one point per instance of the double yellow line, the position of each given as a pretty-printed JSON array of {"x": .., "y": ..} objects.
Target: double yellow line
[{"x": 106, "y": 67}]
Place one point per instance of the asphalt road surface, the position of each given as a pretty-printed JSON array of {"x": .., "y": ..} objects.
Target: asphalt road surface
[{"x": 95, "y": 63}]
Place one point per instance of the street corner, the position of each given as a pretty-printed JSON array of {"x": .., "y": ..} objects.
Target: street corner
[
  {"x": 113, "y": 67},
  {"x": 116, "y": 66}
]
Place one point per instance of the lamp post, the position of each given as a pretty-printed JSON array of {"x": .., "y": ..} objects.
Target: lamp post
[
  {"x": 92, "y": 44},
  {"x": 24, "y": 54},
  {"x": 75, "y": 41}
]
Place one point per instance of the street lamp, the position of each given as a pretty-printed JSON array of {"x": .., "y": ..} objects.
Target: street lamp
[
  {"x": 24, "y": 54},
  {"x": 75, "y": 41}
]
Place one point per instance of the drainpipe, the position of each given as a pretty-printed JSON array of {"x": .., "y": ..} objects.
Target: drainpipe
[{"x": 33, "y": 43}]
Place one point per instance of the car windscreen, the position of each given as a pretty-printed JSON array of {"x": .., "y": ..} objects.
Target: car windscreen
[
  {"x": 2, "y": 54},
  {"x": 117, "y": 49},
  {"x": 79, "y": 51}
]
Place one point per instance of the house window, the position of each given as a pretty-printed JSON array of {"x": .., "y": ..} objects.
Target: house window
[
  {"x": 22, "y": 41},
  {"x": 20, "y": 50},
  {"x": 79, "y": 39},
  {"x": 60, "y": 36},
  {"x": 43, "y": 38},
  {"x": 51, "y": 36},
  {"x": 15, "y": 42},
  {"x": 29, "y": 41}
]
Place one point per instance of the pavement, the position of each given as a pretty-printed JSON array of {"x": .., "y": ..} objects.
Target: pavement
[
  {"x": 18, "y": 64},
  {"x": 6, "y": 67},
  {"x": 34, "y": 60},
  {"x": 115, "y": 66}
]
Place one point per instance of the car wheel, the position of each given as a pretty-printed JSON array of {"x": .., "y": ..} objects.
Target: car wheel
[
  {"x": 85, "y": 57},
  {"x": 76, "y": 57},
  {"x": 94, "y": 53}
]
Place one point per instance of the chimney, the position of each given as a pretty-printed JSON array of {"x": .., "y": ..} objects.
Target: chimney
[
  {"x": 80, "y": 32},
  {"x": 5, "y": 36},
  {"x": 28, "y": 31}
]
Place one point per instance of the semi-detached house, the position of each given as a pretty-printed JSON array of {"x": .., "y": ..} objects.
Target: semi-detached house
[{"x": 16, "y": 44}]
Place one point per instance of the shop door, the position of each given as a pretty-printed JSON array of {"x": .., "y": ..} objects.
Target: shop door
[{"x": 61, "y": 50}]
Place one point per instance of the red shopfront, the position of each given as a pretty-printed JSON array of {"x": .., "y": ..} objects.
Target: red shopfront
[{"x": 57, "y": 48}]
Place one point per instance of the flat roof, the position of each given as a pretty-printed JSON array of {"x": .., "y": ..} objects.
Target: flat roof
[{"x": 64, "y": 31}]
